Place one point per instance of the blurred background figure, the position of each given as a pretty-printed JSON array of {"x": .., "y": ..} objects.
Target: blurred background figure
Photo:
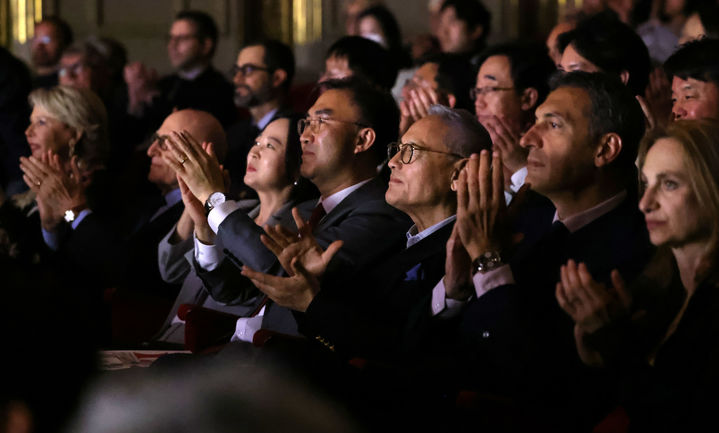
[
  {"x": 221, "y": 398},
  {"x": 52, "y": 36}
]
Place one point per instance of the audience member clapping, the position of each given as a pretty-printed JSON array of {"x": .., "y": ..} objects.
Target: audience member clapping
[{"x": 667, "y": 343}]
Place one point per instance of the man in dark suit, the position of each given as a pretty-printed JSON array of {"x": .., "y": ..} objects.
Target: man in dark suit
[
  {"x": 581, "y": 156},
  {"x": 195, "y": 84},
  {"x": 384, "y": 310},
  {"x": 262, "y": 77},
  {"x": 343, "y": 141}
]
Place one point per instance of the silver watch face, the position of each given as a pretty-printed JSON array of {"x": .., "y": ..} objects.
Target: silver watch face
[{"x": 216, "y": 199}]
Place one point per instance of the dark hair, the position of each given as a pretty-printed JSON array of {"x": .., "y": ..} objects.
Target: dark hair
[
  {"x": 455, "y": 75},
  {"x": 278, "y": 56},
  {"x": 377, "y": 109},
  {"x": 612, "y": 46},
  {"x": 529, "y": 63},
  {"x": 63, "y": 29},
  {"x": 367, "y": 59},
  {"x": 303, "y": 189},
  {"x": 709, "y": 17},
  {"x": 696, "y": 59},
  {"x": 475, "y": 14},
  {"x": 205, "y": 26},
  {"x": 613, "y": 109},
  {"x": 392, "y": 33}
]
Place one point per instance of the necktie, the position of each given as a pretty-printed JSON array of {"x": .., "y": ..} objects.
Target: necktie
[
  {"x": 414, "y": 274},
  {"x": 317, "y": 214}
]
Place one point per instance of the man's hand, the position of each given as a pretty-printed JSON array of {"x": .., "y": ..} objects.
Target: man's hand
[
  {"x": 657, "y": 100},
  {"x": 417, "y": 106},
  {"x": 303, "y": 246},
  {"x": 506, "y": 141},
  {"x": 591, "y": 305},
  {"x": 481, "y": 208},
  {"x": 195, "y": 164},
  {"x": 297, "y": 291},
  {"x": 457, "y": 269}
]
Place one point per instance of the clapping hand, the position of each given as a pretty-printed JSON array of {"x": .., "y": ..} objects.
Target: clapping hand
[
  {"x": 504, "y": 139},
  {"x": 302, "y": 258},
  {"x": 417, "y": 105},
  {"x": 591, "y": 305},
  {"x": 196, "y": 164},
  {"x": 56, "y": 189}
]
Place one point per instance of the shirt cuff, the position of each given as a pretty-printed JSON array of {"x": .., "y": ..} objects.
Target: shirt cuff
[
  {"x": 484, "y": 282},
  {"x": 207, "y": 256},
  {"x": 81, "y": 216},
  {"x": 52, "y": 239},
  {"x": 443, "y": 306},
  {"x": 220, "y": 212}
]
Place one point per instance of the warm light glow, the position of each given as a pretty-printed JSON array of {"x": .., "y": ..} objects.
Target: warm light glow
[
  {"x": 24, "y": 14},
  {"x": 306, "y": 21}
]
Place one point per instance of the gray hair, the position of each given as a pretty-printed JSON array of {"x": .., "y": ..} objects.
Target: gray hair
[
  {"x": 466, "y": 135},
  {"x": 83, "y": 111}
]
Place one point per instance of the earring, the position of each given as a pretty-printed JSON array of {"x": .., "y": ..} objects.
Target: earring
[{"x": 296, "y": 182}]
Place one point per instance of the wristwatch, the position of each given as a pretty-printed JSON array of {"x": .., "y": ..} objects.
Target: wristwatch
[
  {"x": 215, "y": 199},
  {"x": 487, "y": 261}
]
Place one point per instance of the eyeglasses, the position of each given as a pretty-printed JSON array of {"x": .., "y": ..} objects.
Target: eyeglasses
[
  {"x": 42, "y": 40},
  {"x": 179, "y": 38},
  {"x": 247, "y": 69},
  {"x": 160, "y": 139},
  {"x": 315, "y": 124},
  {"x": 473, "y": 93},
  {"x": 406, "y": 151},
  {"x": 74, "y": 69}
]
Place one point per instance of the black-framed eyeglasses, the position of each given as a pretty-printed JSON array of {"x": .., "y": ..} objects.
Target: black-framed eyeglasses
[
  {"x": 74, "y": 69},
  {"x": 160, "y": 139},
  {"x": 179, "y": 38},
  {"x": 406, "y": 151},
  {"x": 486, "y": 90},
  {"x": 247, "y": 69},
  {"x": 315, "y": 124}
]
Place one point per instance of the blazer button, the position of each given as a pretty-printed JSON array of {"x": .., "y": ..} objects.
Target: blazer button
[{"x": 485, "y": 334}]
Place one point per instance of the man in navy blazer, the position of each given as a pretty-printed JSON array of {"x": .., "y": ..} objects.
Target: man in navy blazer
[
  {"x": 515, "y": 339},
  {"x": 343, "y": 141}
]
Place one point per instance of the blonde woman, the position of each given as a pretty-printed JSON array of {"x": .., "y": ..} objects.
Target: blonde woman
[{"x": 68, "y": 140}]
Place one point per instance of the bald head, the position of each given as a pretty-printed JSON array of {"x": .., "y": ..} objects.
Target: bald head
[{"x": 201, "y": 125}]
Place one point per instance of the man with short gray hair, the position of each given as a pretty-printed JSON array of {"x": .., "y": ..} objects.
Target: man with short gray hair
[{"x": 349, "y": 319}]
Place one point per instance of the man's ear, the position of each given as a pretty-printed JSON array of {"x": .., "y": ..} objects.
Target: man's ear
[
  {"x": 451, "y": 100},
  {"x": 529, "y": 98},
  {"x": 476, "y": 33},
  {"x": 206, "y": 47},
  {"x": 624, "y": 76},
  {"x": 609, "y": 148},
  {"x": 365, "y": 140},
  {"x": 278, "y": 77},
  {"x": 458, "y": 167}
]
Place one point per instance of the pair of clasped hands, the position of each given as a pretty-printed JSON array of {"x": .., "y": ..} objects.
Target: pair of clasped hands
[{"x": 58, "y": 186}]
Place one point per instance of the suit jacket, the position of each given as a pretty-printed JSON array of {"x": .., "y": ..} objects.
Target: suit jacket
[
  {"x": 517, "y": 340},
  {"x": 175, "y": 264},
  {"x": 370, "y": 228},
  {"x": 383, "y": 311},
  {"x": 142, "y": 271}
]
